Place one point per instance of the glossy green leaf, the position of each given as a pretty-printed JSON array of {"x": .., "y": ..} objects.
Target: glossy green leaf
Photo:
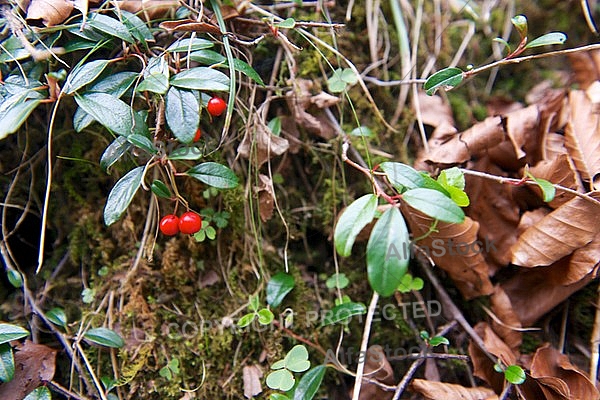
[
  {"x": 353, "y": 219},
  {"x": 435, "y": 204},
  {"x": 281, "y": 379},
  {"x": 160, "y": 189},
  {"x": 288, "y": 23},
  {"x": 342, "y": 312},
  {"x": 57, "y": 316},
  {"x": 185, "y": 45},
  {"x": 438, "y": 340},
  {"x": 110, "y": 26},
  {"x": 246, "y": 69},
  {"x": 40, "y": 393},
  {"x": 446, "y": 79},
  {"x": 246, "y": 320},
  {"x": 182, "y": 114},
  {"x": 385, "y": 271},
  {"x": 186, "y": 153},
  {"x": 215, "y": 175},
  {"x": 121, "y": 195},
  {"x": 278, "y": 287},
  {"x": 265, "y": 316},
  {"x": 111, "y": 112},
  {"x": 201, "y": 78},
  {"x": 278, "y": 396},
  {"x": 296, "y": 360},
  {"x": 548, "y": 189},
  {"x": 452, "y": 177},
  {"x": 155, "y": 83},
  {"x": 81, "y": 120},
  {"x": 10, "y": 332},
  {"x": 142, "y": 142},
  {"x": 278, "y": 364},
  {"x": 547, "y": 39},
  {"x": 337, "y": 281},
  {"x": 7, "y": 363},
  {"x": 309, "y": 384},
  {"x": 13, "y": 117},
  {"x": 253, "y": 303},
  {"x": 514, "y": 374},
  {"x": 114, "y": 84},
  {"x": 402, "y": 176},
  {"x": 503, "y": 42},
  {"x": 104, "y": 337},
  {"x": 210, "y": 57},
  {"x": 520, "y": 22},
  {"x": 458, "y": 196},
  {"x": 274, "y": 126},
  {"x": 15, "y": 278},
  {"x": 137, "y": 27},
  {"x": 114, "y": 152},
  {"x": 13, "y": 50},
  {"x": 84, "y": 74},
  {"x": 409, "y": 283}
]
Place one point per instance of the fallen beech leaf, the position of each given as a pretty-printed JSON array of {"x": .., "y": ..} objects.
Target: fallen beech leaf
[
  {"x": 260, "y": 144},
  {"x": 189, "y": 25},
  {"x": 483, "y": 367},
  {"x": 585, "y": 67},
  {"x": 465, "y": 263},
  {"x": 555, "y": 373},
  {"x": 266, "y": 197},
  {"x": 149, "y": 9},
  {"x": 251, "y": 375},
  {"x": 558, "y": 171},
  {"x": 558, "y": 234},
  {"x": 377, "y": 367},
  {"x": 582, "y": 135},
  {"x": 434, "y": 111},
  {"x": 51, "y": 12},
  {"x": 522, "y": 127},
  {"x": 532, "y": 294},
  {"x": 448, "y": 391},
  {"x": 501, "y": 105},
  {"x": 34, "y": 365},
  {"x": 503, "y": 310}
]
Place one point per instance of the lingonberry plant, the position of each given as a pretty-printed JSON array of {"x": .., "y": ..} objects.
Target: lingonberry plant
[
  {"x": 216, "y": 106},
  {"x": 190, "y": 223}
]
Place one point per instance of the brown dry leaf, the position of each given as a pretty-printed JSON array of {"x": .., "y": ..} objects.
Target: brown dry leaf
[
  {"x": 149, "y": 9},
  {"x": 189, "y": 25},
  {"x": 377, "y": 367},
  {"x": 483, "y": 367},
  {"x": 509, "y": 320},
  {"x": 585, "y": 66},
  {"x": 522, "y": 127},
  {"x": 431, "y": 390},
  {"x": 434, "y": 111},
  {"x": 307, "y": 111},
  {"x": 532, "y": 294},
  {"x": 556, "y": 375},
  {"x": 251, "y": 375},
  {"x": 266, "y": 197},
  {"x": 34, "y": 365},
  {"x": 469, "y": 271},
  {"x": 582, "y": 135},
  {"x": 459, "y": 148},
  {"x": 557, "y": 170},
  {"x": 493, "y": 206},
  {"x": 51, "y": 12},
  {"x": 558, "y": 234},
  {"x": 260, "y": 144}
]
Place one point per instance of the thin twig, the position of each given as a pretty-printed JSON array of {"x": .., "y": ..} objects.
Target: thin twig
[
  {"x": 360, "y": 369},
  {"x": 595, "y": 342},
  {"x": 409, "y": 374}
]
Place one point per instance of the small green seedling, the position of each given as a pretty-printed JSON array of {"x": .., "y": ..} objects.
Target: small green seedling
[
  {"x": 339, "y": 281},
  {"x": 170, "y": 370},
  {"x": 282, "y": 377},
  {"x": 264, "y": 315},
  {"x": 433, "y": 341},
  {"x": 409, "y": 283},
  {"x": 513, "y": 373}
]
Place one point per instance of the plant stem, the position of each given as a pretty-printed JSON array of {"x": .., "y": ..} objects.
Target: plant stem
[{"x": 360, "y": 369}]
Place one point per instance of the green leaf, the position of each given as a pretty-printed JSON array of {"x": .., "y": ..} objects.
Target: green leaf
[
  {"x": 278, "y": 287},
  {"x": 201, "y": 78},
  {"x": 438, "y": 340},
  {"x": 15, "y": 278},
  {"x": 214, "y": 174},
  {"x": 503, "y": 42},
  {"x": 458, "y": 196},
  {"x": 121, "y": 195},
  {"x": 409, "y": 283},
  {"x": 185, "y": 45},
  {"x": 246, "y": 69},
  {"x": 160, "y": 189},
  {"x": 265, "y": 316},
  {"x": 253, "y": 303},
  {"x": 13, "y": 50},
  {"x": 88, "y": 295},
  {"x": 275, "y": 126},
  {"x": 296, "y": 360},
  {"x": 281, "y": 380},
  {"x": 40, "y": 393},
  {"x": 13, "y": 117},
  {"x": 57, "y": 316},
  {"x": 186, "y": 153},
  {"x": 278, "y": 364},
  {"x": 354, "y": 218},
  {"x": 111, "y": 112},
  {"x": 310, "y": 383},
  {"x": 520, "y": 22},
  {"x": 514, "y": 374},
  {"x": 288, "y": 23},
  {"x": 384, "y": 272},
  {"x": 548, "y": 189},
  {"x": 104, "y": 337},
  {"x": 435, "y": 204},
  {"x": 452, "y": 177},
  {"x": 114, "y": 152},
  {"x": 9, "y": 332},
  {"x": 446, "y": 78},
  {"x": 84, "y": 74},
  {"x": 114, "y": 84},
  {"x": 7, "y": 363},
  {"x": 342, "y": 312},
  {"x": 547, "y": 39},
  {"x": 81, "y": 120},
  {"x": 424, "y": 335},
  {"x": 182, "y": 114},
  {"x": 402, "y": 176},
  {"x": 246, "y": 320},
  {"x": 110, "y": 26},
  {"x": 142, "y": 142},
  {"x": 137, "y": 27},
  {"x": 339, "y": 281},
  {"x": 155, "y": 83},
  {"x": 208, "y": 57},
  {"x": 340, "y": 79},
  {"x": 362, "y": 131},
  {"x": 278, "y": 396}
]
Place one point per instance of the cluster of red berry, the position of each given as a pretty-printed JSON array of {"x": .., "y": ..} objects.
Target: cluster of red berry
[{"x": 189, "y": 223}]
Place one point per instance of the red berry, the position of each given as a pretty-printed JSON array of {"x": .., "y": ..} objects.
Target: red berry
[
  {"x": 216, "y": 106},
  {"x": 190, "y": 222},
  {"x": 198, "y": 135},
  {"x": 169, "y": 225}
]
